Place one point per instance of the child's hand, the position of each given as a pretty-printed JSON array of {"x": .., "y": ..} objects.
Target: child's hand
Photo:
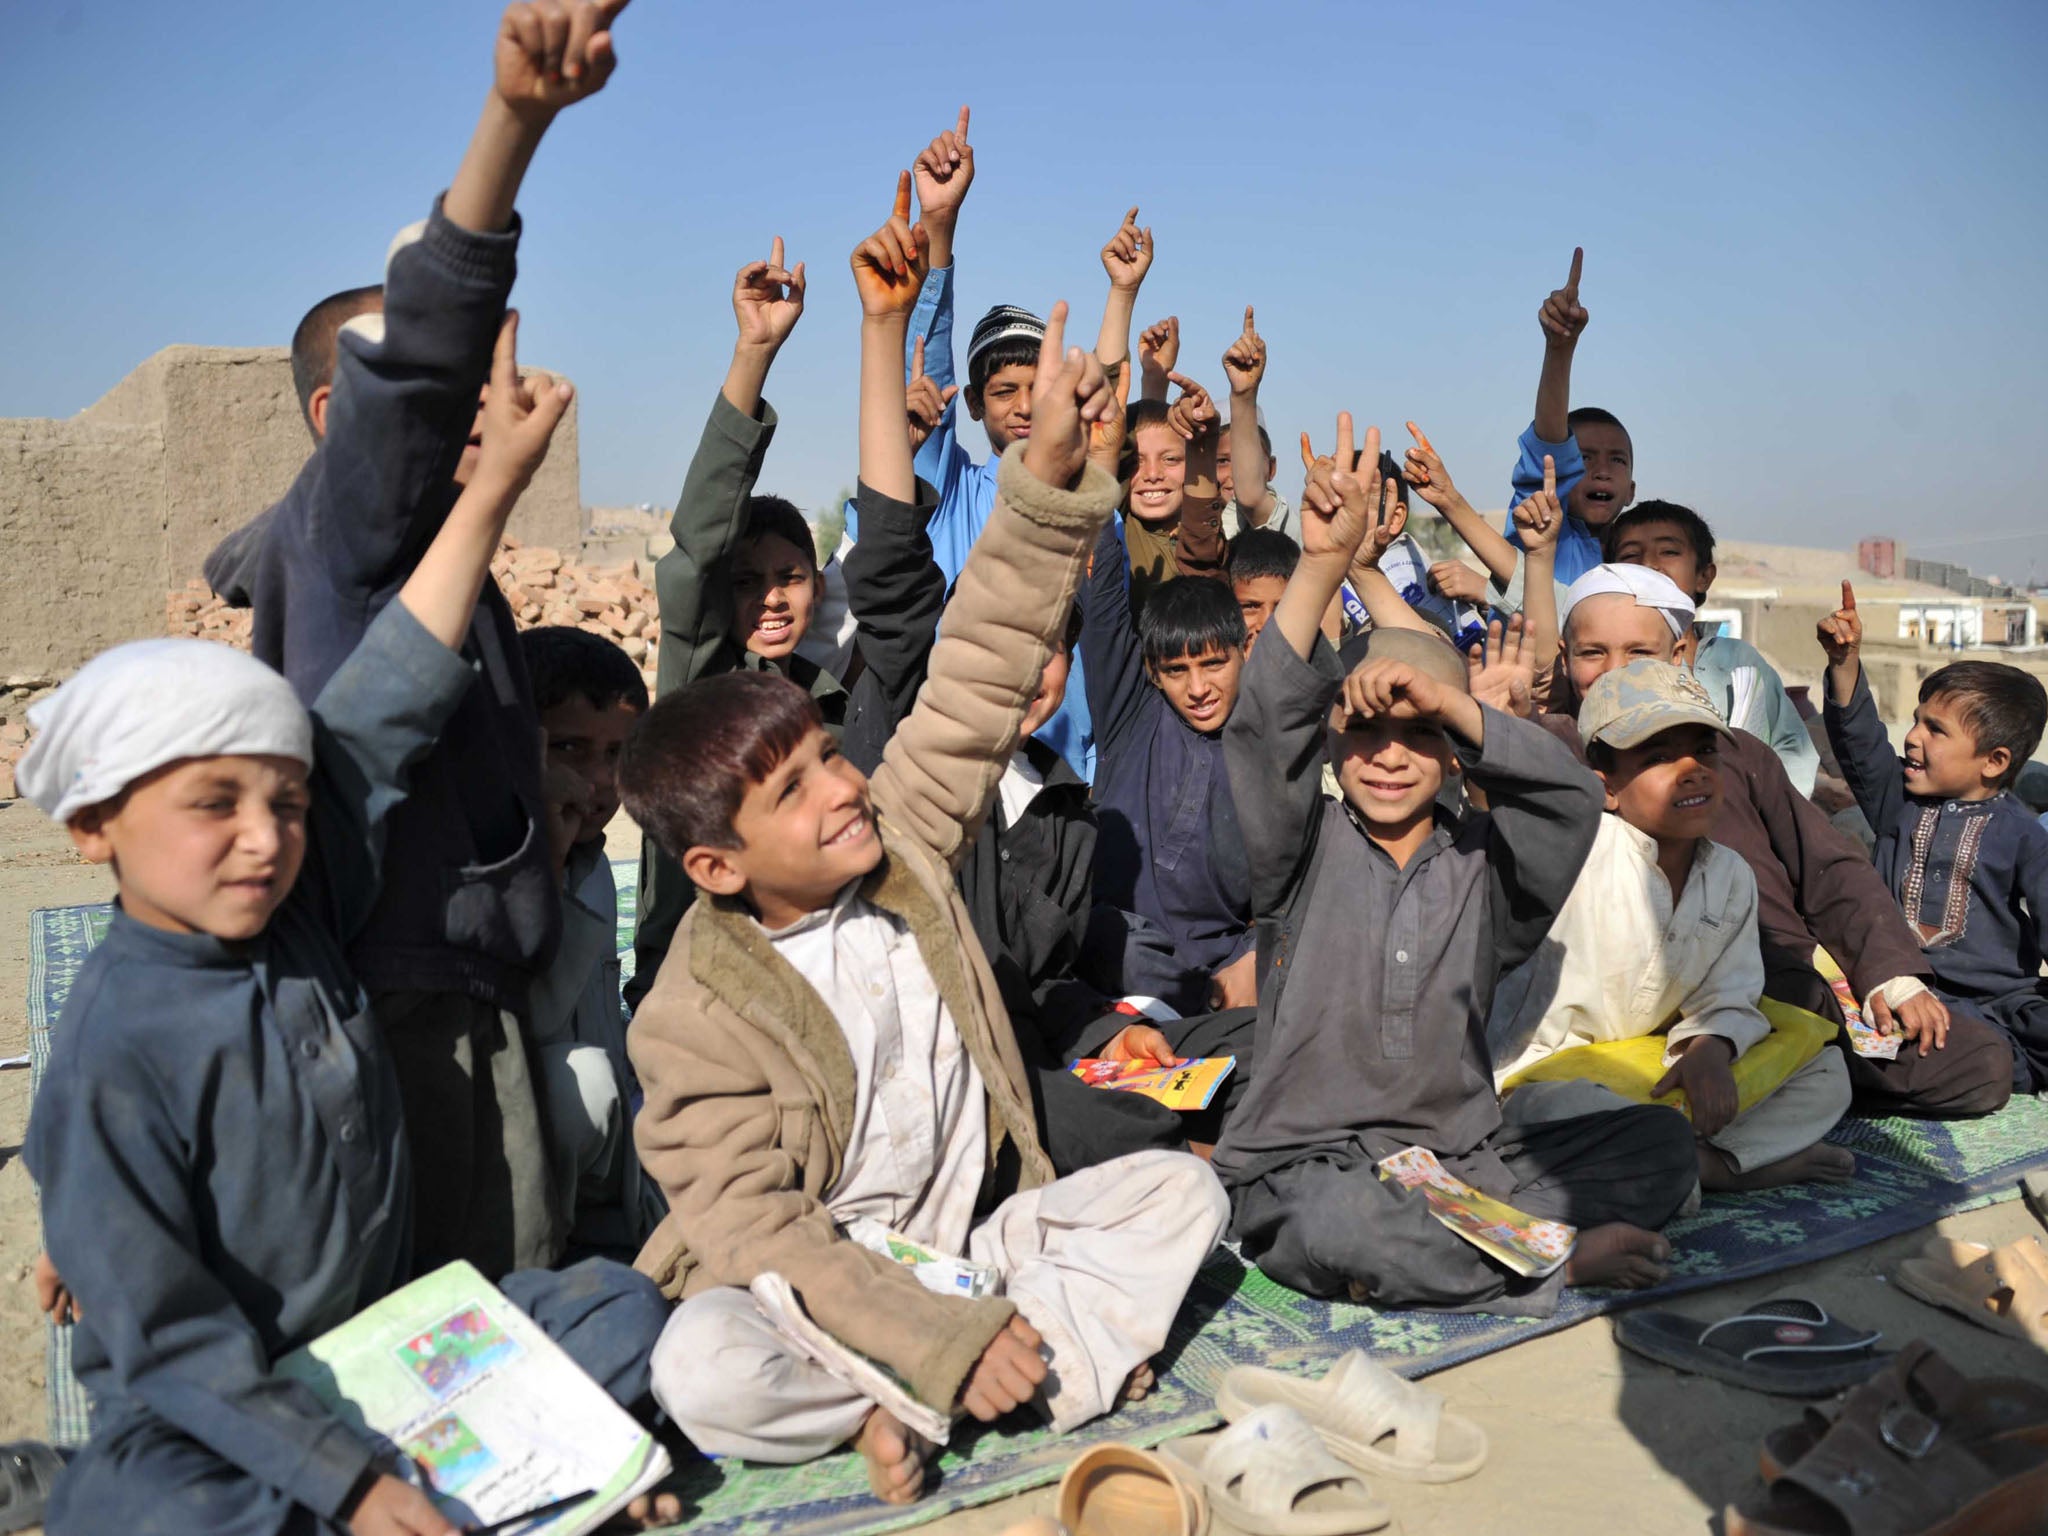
[
  {"x": 393, "y": 1508},
  {"x": 1562, "y": 316},
  {"x": 1194, "y": 414},
  {"x": 1702, "y": 1070},
  {"x": 768, "y": 300},
  {"x": 1069, "y": 394},
  {"x": 1336, "y": 505},
  {"x": 1128, "y": 256},
  {"x": 1011, "y": 1370},
  {"x": 552, "y": 53},
  {"x": 889, "y": 266},
  {"x": 1141, "y": 1042},
  {"x": 923, "y": 400},
  {"x": 1923, "y": 1018},
  {"x": 567, "y": 797},
  {"x": 1458, "y": 581},
  {"x": 520, "y": 417},
  {"x": 1424, "y": 469},
  {"x": 1503, "y": 669},
  {"x": 1395, "y": 690},
  {"x": 944, "y": 173},
  {"x": 53, "y": 1296},
  {"x": 1159, "y": 348},
  {"x": 1540, "y": 519},
  {"x": 1244, "y": 364},
  {"x": 1237, "y": 984},
  {"x": 1106, "y": 436},
  {"x": 1841, "y": 632}
]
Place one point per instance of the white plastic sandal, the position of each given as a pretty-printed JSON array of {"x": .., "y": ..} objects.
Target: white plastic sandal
[
  {"x": 1271, "y": 1475},
  {"x": 1357, "y": 1407}
]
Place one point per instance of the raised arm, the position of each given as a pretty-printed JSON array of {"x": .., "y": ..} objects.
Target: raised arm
[
  {"x": 1111, "y": 657},
  {"x": 1127, "y": 258},
  {"x": 942, "y": 175},
  {"x": 1862, "y": 747},
  {"x": 1273, "y": 746},
  {"x": 1539, "y": 521},
  {"x": 1424, "y": 470},
  {"x": 1244, "y": 365},
  {"x": 690, "y": 582},
  {"x": 1008, "y": 611},
  {"x": 1158, "y": 353},
  {"x": 1563, "y": 319}
]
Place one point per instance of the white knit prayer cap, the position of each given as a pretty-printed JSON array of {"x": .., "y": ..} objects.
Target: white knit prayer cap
[{"x": 1650, "y": 589}]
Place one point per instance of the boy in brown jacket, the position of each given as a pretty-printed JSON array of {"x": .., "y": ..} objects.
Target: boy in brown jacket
[{"x": 825, "y": 1040}]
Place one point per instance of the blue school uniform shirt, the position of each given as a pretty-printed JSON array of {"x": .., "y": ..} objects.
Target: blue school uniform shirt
[
  {"x": 967, "y": 495},
  {"x": 1578, "y": 547},
  {"x": 1971, "y": 877},
  {"x": 219, "y": 1141}
]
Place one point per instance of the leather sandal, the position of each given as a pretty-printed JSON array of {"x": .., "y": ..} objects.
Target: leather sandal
[{"x": 1891, "y": 1464}]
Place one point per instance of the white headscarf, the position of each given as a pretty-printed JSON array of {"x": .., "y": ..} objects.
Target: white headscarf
[
  {"x": 1650, "y": 589},
  {"x": 134, "y": 708}
]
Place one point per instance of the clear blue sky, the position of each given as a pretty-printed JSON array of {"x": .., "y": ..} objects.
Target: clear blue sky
[{"x": 1814, "y": 232}]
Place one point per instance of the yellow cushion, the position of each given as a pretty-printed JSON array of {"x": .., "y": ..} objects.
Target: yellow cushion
[{"x": 1632, "y": 1068}]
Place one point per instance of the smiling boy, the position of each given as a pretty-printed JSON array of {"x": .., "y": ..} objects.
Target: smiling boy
[
  {"x": 1388, "y": 921},
  {"x": 1659, "y": 936},
  {"x": 1967, "y": 862}
]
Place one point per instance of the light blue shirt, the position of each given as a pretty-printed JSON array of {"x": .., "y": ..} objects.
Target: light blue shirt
[
  {"x": 967, "y": 495},
  {"x": 1578, "y": 547}
]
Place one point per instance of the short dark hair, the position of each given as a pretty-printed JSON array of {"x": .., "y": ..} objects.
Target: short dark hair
[
  {"x": 564, "y": 661},
  {"x": 1259, "y": 552},
  {"x": 1592, "y": 415},
  {"x": 690, "y": 760},
  {"x": 1189, "y": 617},
  {"x": 313, "y": 343},
  {"x": 1684, "y": 519},
  {"x": 778, "y": 515},
  {"x": 997, "y": 356},
  {"x": 2001, "y": 706}
]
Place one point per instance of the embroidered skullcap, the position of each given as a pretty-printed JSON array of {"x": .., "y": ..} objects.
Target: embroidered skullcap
[{"x": 1003, "y": 323}]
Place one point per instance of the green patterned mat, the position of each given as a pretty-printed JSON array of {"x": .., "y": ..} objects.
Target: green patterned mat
[{"x": 1910, "y": 1173}]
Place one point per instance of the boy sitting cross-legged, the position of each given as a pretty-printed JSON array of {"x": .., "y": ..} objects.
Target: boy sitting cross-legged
[
  {"x": 826, "y": 1041},
  {"x": 220, "y": 1142},
  {"x": 1966, "y": 860},
  {"x": 1659, "y": 935},
  {"x": 1386, "y": 923}
]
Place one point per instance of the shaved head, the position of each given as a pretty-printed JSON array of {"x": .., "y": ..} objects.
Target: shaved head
[
  {"x": 313, "y": 343},
  {"x": 1429, "y": 653}
]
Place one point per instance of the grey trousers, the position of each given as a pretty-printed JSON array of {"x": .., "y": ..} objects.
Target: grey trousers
[{"x": 1328, "y": 1222}]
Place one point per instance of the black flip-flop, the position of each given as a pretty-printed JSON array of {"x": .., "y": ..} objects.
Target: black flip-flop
[
  {"x": 1788, "y": 1346},
  {"x": 28, "y": 1471}
]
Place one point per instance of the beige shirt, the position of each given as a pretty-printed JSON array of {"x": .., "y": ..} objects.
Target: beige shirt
[
  {"x": 1623, "y": 959},
  {"x": 919, "y": 1140}
]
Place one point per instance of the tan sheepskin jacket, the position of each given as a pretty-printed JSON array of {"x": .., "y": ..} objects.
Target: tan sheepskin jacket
[{"x": 749, "y": 1085}]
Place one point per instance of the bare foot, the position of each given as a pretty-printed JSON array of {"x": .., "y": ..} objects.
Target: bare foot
[
  {"x": 1819, "y": 1163},
  {"x": 1619, "y": 1255},
  {"x": 895, "y": 1458},
  {"x": 1138, "y": 1385},
  {"x": 655, "y": 1509}
]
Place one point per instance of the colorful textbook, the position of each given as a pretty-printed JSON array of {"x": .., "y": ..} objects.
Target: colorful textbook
[
  {"x": 1529, "y": 1245},
  {"x": 470, "y": 1401},
  {"x": 1189, "y": 1086}
]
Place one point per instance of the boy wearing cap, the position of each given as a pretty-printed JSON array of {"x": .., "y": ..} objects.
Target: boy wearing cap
[
  {"x": 1385, "y": 923},
  {"x": 1815, "y": 888},
  {"x": 220, "y": 1142},
  {"x": 1659, "y": 936}
]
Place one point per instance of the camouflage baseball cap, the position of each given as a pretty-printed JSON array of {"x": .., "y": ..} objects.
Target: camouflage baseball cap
[{"x": 1626, "y": 707}]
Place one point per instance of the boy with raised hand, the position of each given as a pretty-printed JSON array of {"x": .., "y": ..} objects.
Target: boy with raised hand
[
  {"x": 1965, "y": 859},
  {"x": 471, "y": 912},
  {"x": 1815, "y": 888},
  {"x": 826, "y": 1041},
  {"x": 1386, "y": 921},
  {"x": 1595, "y": 459},
  {"x": 1253, "y": 501},
  {"x": 740, "y": 585},
  {"x": 1659, "y": 937},
  {"x": 1746, "y": 688},
  {"x": 221, "y": 1142}
]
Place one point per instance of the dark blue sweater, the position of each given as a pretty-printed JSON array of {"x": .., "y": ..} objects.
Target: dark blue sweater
[{"x": 469, "y": 904}]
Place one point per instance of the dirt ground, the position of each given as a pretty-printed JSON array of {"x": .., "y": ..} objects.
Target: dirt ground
[{"x": 1584, "y": 1436}]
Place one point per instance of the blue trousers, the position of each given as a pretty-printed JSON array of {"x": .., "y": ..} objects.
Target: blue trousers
[{"x": 141, "y": 1476}]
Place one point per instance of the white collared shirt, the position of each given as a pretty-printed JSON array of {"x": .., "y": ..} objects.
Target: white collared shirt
[{"x": 1623, "y": 959}]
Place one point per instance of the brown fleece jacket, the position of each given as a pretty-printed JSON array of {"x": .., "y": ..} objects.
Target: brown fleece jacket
[{"x": 749, "y": 1084}]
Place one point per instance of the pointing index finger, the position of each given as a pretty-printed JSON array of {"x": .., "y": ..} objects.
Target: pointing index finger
[
  {"x": 961, "y": 126},
  {"x": 1249, "y": 328},
  {"x": 775, "y": 252},
  {"x": 902, "y": 208},
  {"x": 1052, "y": 350},
  {"x": 1848, "y": 597},
  {"x": 1571, "y": 284},
  {"x": 1421, "y": 440},
  {"x": 1549, "y": 475},
  {"x": 1344, "y": 443},
  {"x": 917, "y": 360},
  {"x": 1308, "y": 454}
]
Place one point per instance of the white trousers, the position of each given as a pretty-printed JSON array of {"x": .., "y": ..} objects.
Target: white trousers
[{"x": 1097, "y": 1262}]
